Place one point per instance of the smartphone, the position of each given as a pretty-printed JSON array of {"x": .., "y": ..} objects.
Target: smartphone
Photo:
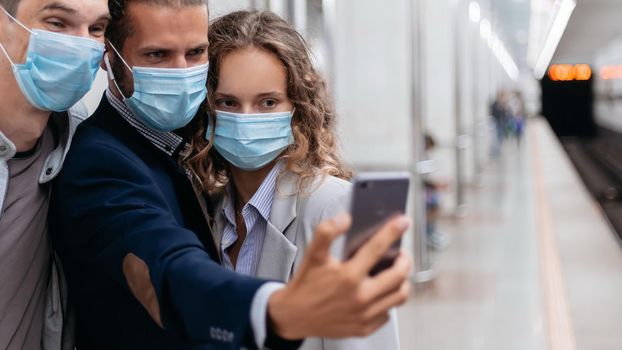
[{"x": 376, "y": 198}]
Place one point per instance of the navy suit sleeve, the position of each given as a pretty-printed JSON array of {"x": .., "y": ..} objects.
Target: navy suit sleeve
[{"x": 109, "y": 207}]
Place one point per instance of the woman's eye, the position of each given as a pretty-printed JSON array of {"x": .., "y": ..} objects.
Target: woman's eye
[
  {"x": 225, "y": 103},
  {"x": 269, "y": 103}
]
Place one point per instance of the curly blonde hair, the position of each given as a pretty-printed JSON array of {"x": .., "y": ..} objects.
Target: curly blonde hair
[{"x": 314, "y": 152}]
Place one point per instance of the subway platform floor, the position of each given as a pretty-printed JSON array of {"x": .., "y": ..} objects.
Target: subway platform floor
[{"x": 533, "y": 265}]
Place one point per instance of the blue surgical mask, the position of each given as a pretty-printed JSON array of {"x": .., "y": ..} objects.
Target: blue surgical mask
[
  {"x": 251, "y": 141},
  {"x": 165, "y": 99},
  {"x": 59, "y": 69}
]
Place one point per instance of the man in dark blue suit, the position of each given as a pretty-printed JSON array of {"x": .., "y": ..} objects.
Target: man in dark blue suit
[{"x": 133, "y": 233}]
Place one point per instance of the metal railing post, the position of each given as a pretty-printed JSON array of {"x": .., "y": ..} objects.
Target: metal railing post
[
  {"x": 461, "y": 139},
  {"x": 423, "y": 271}
]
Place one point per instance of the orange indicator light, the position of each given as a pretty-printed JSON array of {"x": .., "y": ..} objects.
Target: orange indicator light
[
  {"x": 611, "y": 72},
  {"x": 568, "y": 72}
]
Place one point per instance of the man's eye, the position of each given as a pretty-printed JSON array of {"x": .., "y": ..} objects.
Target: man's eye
[
  {"x": 56, "y": 24},
  {"x": 97, "y": 30},
  {"x": 155, "y": 55}
]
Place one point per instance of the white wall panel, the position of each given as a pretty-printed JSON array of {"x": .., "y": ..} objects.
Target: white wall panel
[
  {"x": 92, "y": 99},
  {"x": 372, "y": 80},
  {"x": 439, "y": 90},
  {"x": 218, "y": 8},
  {"x": 608, "y": 93}
]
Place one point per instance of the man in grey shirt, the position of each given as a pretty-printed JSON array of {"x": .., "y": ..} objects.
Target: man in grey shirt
[
  {"x": 37, "y": 122},
  {"x": 25, "y": 251}
]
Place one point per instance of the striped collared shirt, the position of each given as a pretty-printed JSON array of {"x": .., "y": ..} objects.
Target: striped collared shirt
[
  {"x": 256, "y": 214},
  {"x": 167, "y": 142}
]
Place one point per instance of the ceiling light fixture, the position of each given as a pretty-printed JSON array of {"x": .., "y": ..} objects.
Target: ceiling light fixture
[
  {"x": 498, "y": 49},
  {"x": 556, "y": 30},
  {"x": 475, "y": 13},
  {"x": 485, "y": 29}
]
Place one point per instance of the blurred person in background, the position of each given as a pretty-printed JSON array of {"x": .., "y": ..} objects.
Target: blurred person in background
[
  {"x": 131, "y": 225},
  {"x": 517, "y": 114},
  {"x": 49, "y": 55},
  {"x": 499, "y": 113},
  {"x": 270, "y": 152},
  {"x": 436, "y": 239}
]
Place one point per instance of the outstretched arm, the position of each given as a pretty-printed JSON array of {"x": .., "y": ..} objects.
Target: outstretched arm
[
  {"x": 334, "y": 299},
  {"x": 113, "y": 216}
]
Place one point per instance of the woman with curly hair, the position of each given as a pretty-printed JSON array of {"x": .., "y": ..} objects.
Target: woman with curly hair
[{"x": 268, "y": 151}]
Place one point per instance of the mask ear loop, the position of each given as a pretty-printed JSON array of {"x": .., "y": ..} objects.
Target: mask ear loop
[
  {"x": 7, "y": 55},
  {"x": 21, "y": 25},
  {"x": 15, "y": 19},
  {"x": 109, "y": 67},
  {"x": 120, "y": 57},
  {"x": 111, "y": 74}
]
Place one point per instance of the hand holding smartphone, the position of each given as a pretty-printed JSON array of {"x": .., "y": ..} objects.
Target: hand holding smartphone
[{"x": 376, "y": 198}]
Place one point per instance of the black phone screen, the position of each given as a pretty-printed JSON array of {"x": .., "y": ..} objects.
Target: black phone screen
[{"x": 376, "y": 198}]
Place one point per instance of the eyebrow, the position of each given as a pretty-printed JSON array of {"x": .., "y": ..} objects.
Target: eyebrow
[
  {"x": 58, "y": 6},
  {"x": 263, "y": 94},
  {"x": 105, "y": 17},
  {"x": 205, "y": 44},
  {"x": 224, "y": 94},
  {"x": 150, "y": 48},
  {"x": 271, "y": 93},
  {"x": 153, "y": 49}
]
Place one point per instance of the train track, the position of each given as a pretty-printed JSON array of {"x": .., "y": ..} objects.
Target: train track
[{"x": 599, "y": 163}]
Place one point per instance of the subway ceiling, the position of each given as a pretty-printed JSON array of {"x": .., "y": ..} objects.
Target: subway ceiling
[
  {"x": 511, "y": 21},
  {"x": 593, "y": 25}
]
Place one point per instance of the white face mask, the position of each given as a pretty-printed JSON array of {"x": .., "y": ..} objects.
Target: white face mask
[
  {"x": 251, "y": 141},
  {"x": 59, "y": 69},
  {"x": 165, "y": 99}
]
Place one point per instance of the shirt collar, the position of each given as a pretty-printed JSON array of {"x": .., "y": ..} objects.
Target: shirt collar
[
  {"x": 261, "y": 200},
  {"x": 167, "y": 142},
  {"x": 7, "y": 148},
  {"x": 60, "y": 120}
]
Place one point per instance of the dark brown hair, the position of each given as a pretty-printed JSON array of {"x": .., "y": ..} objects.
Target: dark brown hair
[
  {"x": 120, "y": 27},
  {"x": 314, "y": 152}
]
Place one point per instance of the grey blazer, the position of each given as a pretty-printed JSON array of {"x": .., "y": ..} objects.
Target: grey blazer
[{"x": 293, "y": 218}]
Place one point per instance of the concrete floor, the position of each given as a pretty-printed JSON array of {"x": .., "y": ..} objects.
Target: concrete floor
[{"x": 533, "y": 264}]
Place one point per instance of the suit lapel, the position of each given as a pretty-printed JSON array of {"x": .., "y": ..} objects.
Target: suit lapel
[
  {"x": 193, "y": 214},
  {"x": 277, "y": 255},
  {"x": 279, "y": 251},
  {"x": 107, "y": 118},
  {"x": 218, "y": 229}
]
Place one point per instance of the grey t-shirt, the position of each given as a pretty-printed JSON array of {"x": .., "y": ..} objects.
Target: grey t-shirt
[{"x": 24, "y": 250}]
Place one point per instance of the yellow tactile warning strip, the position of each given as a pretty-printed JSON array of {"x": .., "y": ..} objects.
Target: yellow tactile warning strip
[{"x": 558, "y": 322}]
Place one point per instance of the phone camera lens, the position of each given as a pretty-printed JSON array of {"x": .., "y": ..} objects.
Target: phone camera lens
[{"x": 367, "y": 184}]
